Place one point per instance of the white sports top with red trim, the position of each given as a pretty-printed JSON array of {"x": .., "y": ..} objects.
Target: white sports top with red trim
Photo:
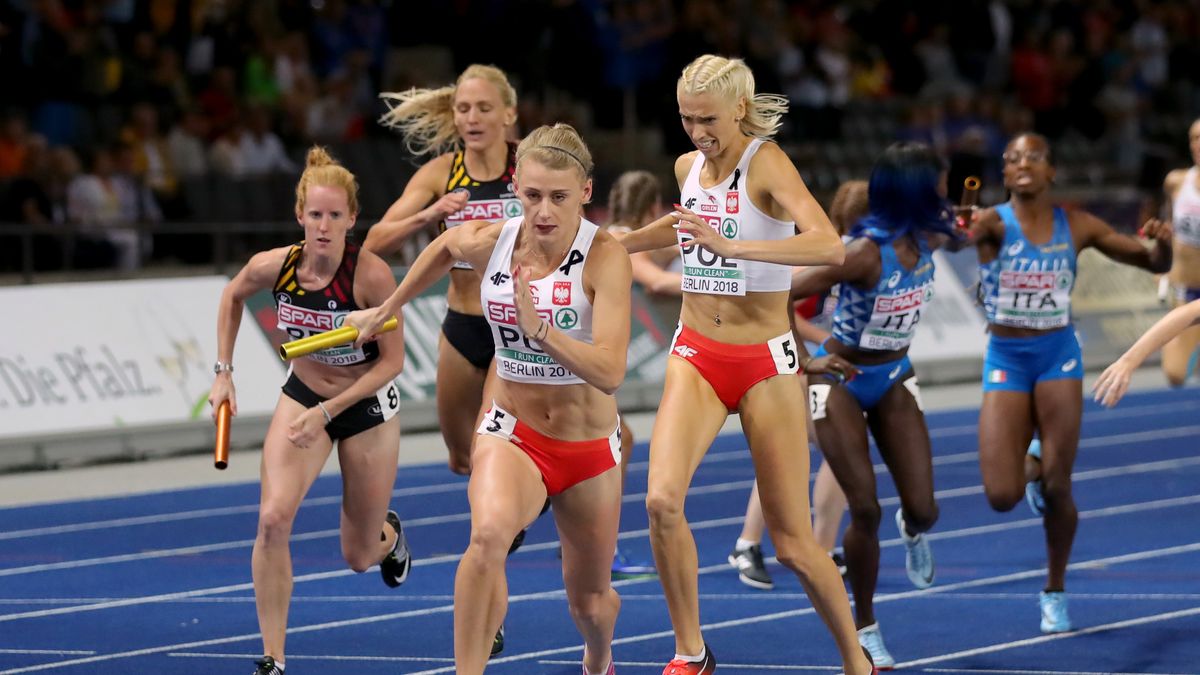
[
  {"x": 727, "y": 208},
  {"x": 558, "y": 297},
  {"x": 1185, "y": 212}
]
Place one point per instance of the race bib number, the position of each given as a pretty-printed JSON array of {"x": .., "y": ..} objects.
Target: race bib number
[
  {"x": 783, "y": 350},
  {"x": 497, "y": 422},
  {"x": 818, "y": 398},
  {"x": 1038, "y": 300},
  {"x": 706, "y": 272}
]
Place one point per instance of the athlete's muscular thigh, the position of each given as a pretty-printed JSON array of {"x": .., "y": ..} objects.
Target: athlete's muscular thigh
[
  {"x": 898, "y": 425},
  {"x": 688, "y": 419},
  {"x": 1005, "y": 429},
  {"x": 779, "y": 446},
  {"x": 842, "y": 437}
]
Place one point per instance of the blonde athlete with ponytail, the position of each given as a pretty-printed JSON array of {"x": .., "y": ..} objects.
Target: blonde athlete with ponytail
[
  {"x": 557, "y": 301},
  {"x": 342, "y": 394},
  {"x": 465, "y": 128},
  {"x": 742, "y": 202}
]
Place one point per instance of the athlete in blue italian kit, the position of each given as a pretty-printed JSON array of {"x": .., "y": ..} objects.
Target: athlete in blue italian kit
[
  {"x": 344, "y": 394},
  {"x": 1033, "y": 371},
  {"x": 861, "y": 378}
]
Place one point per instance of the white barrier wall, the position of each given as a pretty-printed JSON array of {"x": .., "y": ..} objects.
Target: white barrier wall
[{"x": 102, "y": 355}]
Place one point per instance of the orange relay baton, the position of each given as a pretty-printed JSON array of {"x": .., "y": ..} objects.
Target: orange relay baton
[
  {"x": 330, "y": 338},
  {"x": 970, "y": 198},
  {"x": 221, "y": 449}
]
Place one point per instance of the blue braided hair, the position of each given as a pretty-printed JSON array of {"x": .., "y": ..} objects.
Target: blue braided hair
[{"x": 904, "y": 198}]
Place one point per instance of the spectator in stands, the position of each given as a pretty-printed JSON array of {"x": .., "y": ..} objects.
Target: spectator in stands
[
  {"x": 152, "y": 164},
  {"x": 262, "y": 151},
  {"x": 106, "y": 205},
  {"x": 185, "y": 145}
]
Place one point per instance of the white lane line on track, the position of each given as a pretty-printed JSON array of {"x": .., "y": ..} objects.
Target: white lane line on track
[
  {"x": 314, "y": 657},
  {"x": 1094, "y": 474},
  {"x": 888, "y": 597},
  {"x": 1002, "y": 646},
  {"x": 713, "y": 457},
  {"x": 1005, "y": 578},
  {"x": 625, "y": 597}
]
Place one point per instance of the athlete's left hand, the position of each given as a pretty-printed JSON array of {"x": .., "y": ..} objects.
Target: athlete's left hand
[
  {"x": 1158, "y": 230},
  {"x": 304, "y": 429},
  {"x": 701, "y": 232},
  {"x": 1112, "y": 383},
  {"x": 527, "y": 317}
]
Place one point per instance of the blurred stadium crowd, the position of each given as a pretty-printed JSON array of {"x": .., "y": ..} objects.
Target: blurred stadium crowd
[{"x": 126, "y": 122}]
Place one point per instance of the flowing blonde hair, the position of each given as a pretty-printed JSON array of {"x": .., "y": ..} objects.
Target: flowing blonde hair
[
  {"x": 425, "y": 117},
  {"x": 321, "y": 169},
  {"x": 731, "y": 80},
  {"x": 556, "y": 147}
]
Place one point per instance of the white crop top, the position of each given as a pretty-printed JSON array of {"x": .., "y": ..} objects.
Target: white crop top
[
  {"x": 559, "y": 298},
  {"x": 1185, "y": 212},
  {"x": 727, "y": 208}
]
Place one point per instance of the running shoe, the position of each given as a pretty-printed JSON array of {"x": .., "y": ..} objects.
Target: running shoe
[
  {"x": 840, "y": 560},
  {"x": 1054, "y": 612},
  {"x": 872, "y": 640},
  {"x": 266, "y": 666},
  {"x": 918, "y": 556},
  {"x": 396, "y": 564},
  {"x": 705, "y": 666},
  {"x": 1033, "y": 489},
  {"x": 751, "y": 569},
  {"x": 624, "y": 568},
  {"x": 498, "y": 642}
]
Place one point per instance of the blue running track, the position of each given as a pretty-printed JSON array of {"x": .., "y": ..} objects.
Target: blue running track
[{"x": 160, "y": 583}]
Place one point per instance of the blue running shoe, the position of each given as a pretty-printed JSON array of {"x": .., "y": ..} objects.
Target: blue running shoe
[
  {"x": 1033, "y": 489},
  {"x": 918, "y": 557},
  {"x": 1054, "y": 612},
  {"x": 872, "y": 640},
  {"x": 624, "y": 568}
]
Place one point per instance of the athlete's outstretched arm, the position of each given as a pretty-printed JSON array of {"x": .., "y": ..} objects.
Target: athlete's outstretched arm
[
  {"x": 661, "y": 232},
  {"x": 601, "y": 363},
  {"x": 1114, "y": 381},
  {"x": 413, "y": 212},
  {"x": 1124, "y": 248},
  {"x": 258, "y": 274},
  {"x": 861, "y": 266},
  {"x": 471, "y": 241},
  {"x": 374, "y": 284},
  {"x": 658, "y": 234}
]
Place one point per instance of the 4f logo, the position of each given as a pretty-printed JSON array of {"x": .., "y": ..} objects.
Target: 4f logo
[
  {"x": 731, "y": 202},
  {"x": 499, "y": 278},
  {"x": 562, "y": 293},
  {"x": 690, "y": 203},
  {"x": 685, "y": 351}
]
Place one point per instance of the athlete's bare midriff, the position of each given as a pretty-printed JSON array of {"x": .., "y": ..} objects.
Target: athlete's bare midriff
[
  {"x": 1185, "y": 266},
  {"x": 463, "y": 294},
  {"x": 328, "y": 381},
  {"x": 569, "y": 412},
  {"x": 751, "y": 319}
]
